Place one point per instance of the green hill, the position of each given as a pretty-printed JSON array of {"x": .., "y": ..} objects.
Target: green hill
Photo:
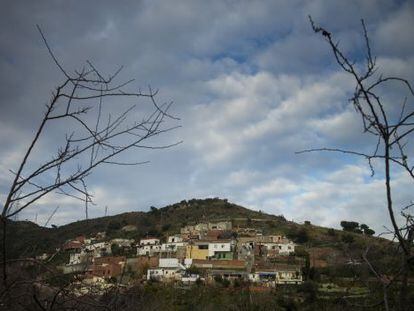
[{"x": 25, "y": 238}]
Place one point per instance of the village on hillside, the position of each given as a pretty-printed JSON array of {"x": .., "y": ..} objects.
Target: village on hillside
[{"x": 205, "y": 252}]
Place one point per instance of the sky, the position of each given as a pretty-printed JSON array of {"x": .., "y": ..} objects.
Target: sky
[{"x": 251, "y": 83}]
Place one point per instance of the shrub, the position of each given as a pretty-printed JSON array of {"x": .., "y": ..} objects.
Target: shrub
[
  {"x": 331, "y": 232},
  {"x": 309, "y": 290},
  {"x": 347, "y": 238}
]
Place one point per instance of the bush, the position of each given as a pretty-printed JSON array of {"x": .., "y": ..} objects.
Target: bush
[
  {"x": 347, "y": 238},
  {"x": 331, "y": 232},
  {"x": 114, "y": 225},
  {"x": 299, "y": 236},
  {"x": 166, "y": 227},
  {"x": 309, "y": 290},
  {"x": 220, "y": 280}
]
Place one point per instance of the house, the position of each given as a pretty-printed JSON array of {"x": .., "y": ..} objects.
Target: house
[
  {"x": 189, "y": 232},
  {"x": 248, "y": 232},
  {"x": 123, "y": 242},
  {"x": 200, "y": 229},
  {"x": 99, "y": 249},
  {"x": 230, "y": 275},
  {"x": 78, "y": 258},
  {"x": 170, "y": 263},
  {"x": 107, "y": 267},
  {"x": 149, "y": 247},
  {"x": 289, "y": 275},
  {"x": 212, "y": 235},
  {"x": 173, "y": 243},
  {"x": 280, "y": 248},
  {"x": 174, "y": 239},
  {"x": 149, "y": 241},
  {"x": 278, "y": 274},
  {"x": 164, "y": 274},
  {"x": 189, "y": 278},
  {"x": 245, "y": 251},
  {"x": 100, "y": 235},
  {"x": 222, "y": 225},
  {"x": 273, "y": 245},
  {"x": 73, "y": 245},
  {"x": 148, "y": 250},
  {"x": 169, "y": 269},
  {"x": 216, "y": 264},
  {"x": 141, "y": 264},
  {"x": 197, "y": 250},
  {"x": 221, "y": 249}
]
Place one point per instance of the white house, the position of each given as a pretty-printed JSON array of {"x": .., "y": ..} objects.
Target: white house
[
  {"x": 172, "y": 244},
  {"x": 148, "y": 250},
  {"x": 281, "y": 248},
  {"x": 174, "y": 239},
  {"x": 148, "y": 246},
  {"x": 164, "y": 274},
  {"x": 289, "y": 276},
  {"x": 169, "y": 269},
  {"x": 170, "y": 263},
  {"x": 149, "y": 241},
  {"x": 123, "y": 242},
  {"x": 190, "y": 278},
  {"x": 78, "y": 258},
  {"x": 99, "y": 249},
  {"x": 220, "y": 246}
]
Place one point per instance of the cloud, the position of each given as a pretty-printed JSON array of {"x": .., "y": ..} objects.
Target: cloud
[{"x": 250, "y": 81}]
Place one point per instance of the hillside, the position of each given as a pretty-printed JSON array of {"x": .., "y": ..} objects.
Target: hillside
[{"x": 28, "y": 239}]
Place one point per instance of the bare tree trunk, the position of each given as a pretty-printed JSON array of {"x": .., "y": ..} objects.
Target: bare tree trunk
[
  {"x": 404, "y": 284},
  {"x": 4, "y": 250}
]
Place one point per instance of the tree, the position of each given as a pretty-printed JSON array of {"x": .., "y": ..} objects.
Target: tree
[
  {"x": 94, "y": 137},
  {"x": 366, "y": 229},
  {"x": 299, "y": 235},
  {"x": 392, "y": 124},
  {"x": 369, "y": 231},
  {"x": 349, "y": 225}
]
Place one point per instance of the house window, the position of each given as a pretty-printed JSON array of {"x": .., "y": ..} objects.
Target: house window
[{"x": 203, "y": 246}]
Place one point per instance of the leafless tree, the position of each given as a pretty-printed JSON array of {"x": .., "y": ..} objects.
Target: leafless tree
[
  {"x": 393, "y": 132},
  {"x": 93, "y": 138}
]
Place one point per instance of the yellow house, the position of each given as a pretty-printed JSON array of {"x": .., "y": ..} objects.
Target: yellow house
[{"x": 198, "y": 250}]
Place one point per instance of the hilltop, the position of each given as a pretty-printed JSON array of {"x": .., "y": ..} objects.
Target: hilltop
[{"x": 28, "y": 239}]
